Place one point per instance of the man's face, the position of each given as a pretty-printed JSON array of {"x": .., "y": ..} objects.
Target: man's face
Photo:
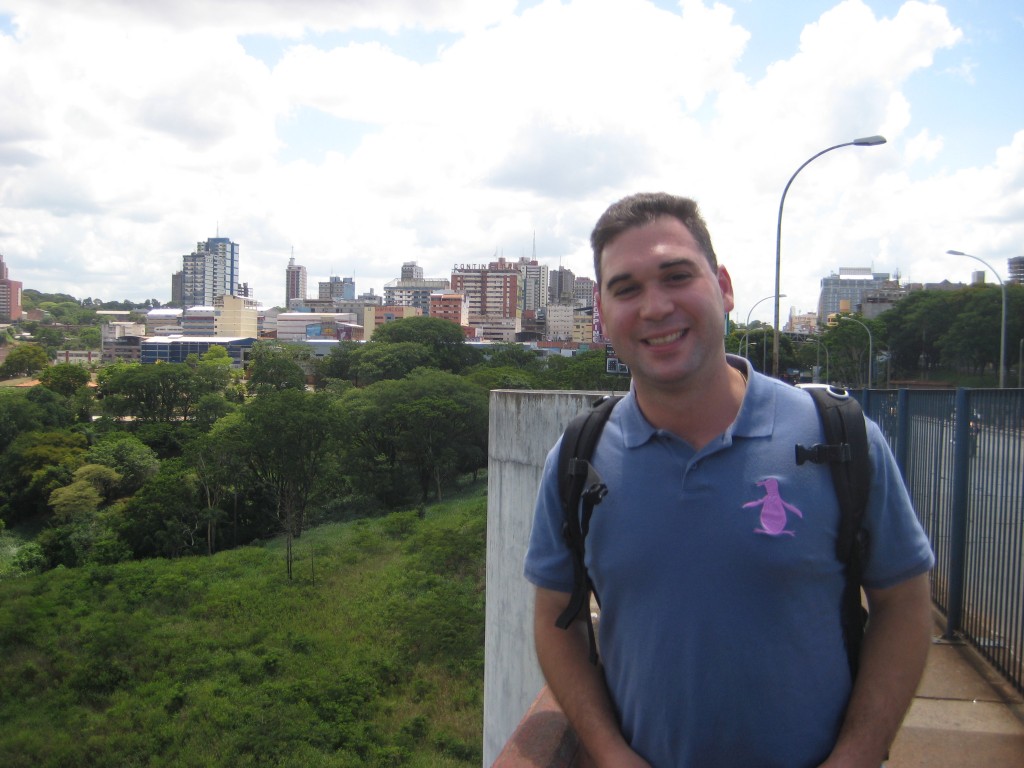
[{"x": 662, "y": 304}]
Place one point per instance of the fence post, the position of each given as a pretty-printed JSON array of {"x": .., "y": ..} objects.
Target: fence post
[
  {"x": 902, "y": 430},
  {"x": 958, "y": 527}
]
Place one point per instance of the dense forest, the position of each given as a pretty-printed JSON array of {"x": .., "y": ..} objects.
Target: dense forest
[{"x": 190, "y": 458}]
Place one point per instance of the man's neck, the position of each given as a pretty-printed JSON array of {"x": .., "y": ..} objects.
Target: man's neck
[{"x": 696, "y": 411}]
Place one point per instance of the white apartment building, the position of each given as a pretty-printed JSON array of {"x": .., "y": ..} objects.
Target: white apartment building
[{"x": 558, "y": 322}]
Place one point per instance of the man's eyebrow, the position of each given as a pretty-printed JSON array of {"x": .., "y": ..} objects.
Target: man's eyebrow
[{"x": 681, "y": 262}]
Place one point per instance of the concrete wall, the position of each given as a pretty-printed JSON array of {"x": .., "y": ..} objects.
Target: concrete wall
[{"x": 523, "y": 427}]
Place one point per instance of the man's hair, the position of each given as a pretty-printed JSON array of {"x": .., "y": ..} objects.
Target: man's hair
[{"x": 643, "y": 208}]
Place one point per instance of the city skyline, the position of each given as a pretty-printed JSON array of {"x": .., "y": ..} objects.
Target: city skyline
[{"x": 356, "y": 139}]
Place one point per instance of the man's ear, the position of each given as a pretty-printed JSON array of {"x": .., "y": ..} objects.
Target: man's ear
[{"x": 725, "y": 284}]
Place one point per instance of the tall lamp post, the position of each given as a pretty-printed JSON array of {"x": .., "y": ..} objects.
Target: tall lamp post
[
  {"x": 821, "y": 345},
  {"x": 867, "y": 141},
  {"x": 871, "y": 343},
  {"x": 1002, "y": 327},
  {"x": 746, "y": 335}
]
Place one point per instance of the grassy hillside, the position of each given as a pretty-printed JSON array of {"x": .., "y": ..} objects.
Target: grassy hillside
[{"x": 371, "y": 656}]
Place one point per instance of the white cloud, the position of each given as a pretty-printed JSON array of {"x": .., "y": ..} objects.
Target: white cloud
[
  {"x": 138, "y": 129},
  {"x": 923, "y": 147}
]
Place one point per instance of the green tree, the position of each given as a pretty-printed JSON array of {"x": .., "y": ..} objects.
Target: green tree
[
  {"x": 219, "y": 467},
  {"x": 427, "y": 428},
  {"x": 848, "y": 345},
  {"x": 378, "y": 361},
  {"x": 24, "y": 360},
  {"x": 338, "y": 364},
  {"x": 80, "y": 499},
  {"x": 17, "y": 415},
  {"x": 442, "y": 337},
  {"x": 505, "y": 377},
  {"x": 972, "y": 340},
  {"x": 165, "y": 392},
  {"x": 585, "y": 370},
  {"x": 128, "y": 456},
  {"x": 53, "y": 410},
  {"x": 50, "y": 338},
  {"x": 165, "y": 517},
  {"x": 286, "y": 439},
  {"x": 513, "y": 356},
  {"x": 26, "y": 411},
  {"x": 212, "y": 407},
  {"x": 90, "y": 338},
  {"x": 105, "y": 480},
  {"x": 64, "y": 378},
  {"x": 274, "y": 368},
  {"x": 34, "y": 464}
]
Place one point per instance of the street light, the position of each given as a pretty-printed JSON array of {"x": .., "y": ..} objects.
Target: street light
[
  {"x": 867, "y": 141},
  {"x": 871, "y": 343},
  {"x": 821, "y": 345},
  {"x": 1002, "y": 327},
  {"x": 746, "y": 335}
]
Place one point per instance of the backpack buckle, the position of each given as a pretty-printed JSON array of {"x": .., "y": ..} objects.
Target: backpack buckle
[{"x": 824, "y": 454}]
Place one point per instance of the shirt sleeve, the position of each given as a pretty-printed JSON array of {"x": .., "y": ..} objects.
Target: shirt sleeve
[
  {"x": 898, "y": 547},
  {"x": 548, "y": 561}
]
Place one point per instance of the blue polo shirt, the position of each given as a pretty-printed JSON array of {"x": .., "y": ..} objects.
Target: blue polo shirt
[{"x": 720, "y": 589}]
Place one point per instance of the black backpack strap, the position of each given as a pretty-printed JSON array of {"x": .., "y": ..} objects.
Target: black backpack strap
[
  {"x": 579, "y": 481},
  {"x": 846, "y": 453}
]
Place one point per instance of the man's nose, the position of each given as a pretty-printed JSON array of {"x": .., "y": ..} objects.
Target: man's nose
[{"x": 657, "y": 303}]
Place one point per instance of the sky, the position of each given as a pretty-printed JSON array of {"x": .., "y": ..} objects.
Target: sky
[{"x": 358, "y": 136}]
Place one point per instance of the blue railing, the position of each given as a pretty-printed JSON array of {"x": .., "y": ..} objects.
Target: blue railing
[{"x": 962, "y": 455}]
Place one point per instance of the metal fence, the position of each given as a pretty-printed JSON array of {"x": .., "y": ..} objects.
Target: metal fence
[{"x": 962, "y": 456}]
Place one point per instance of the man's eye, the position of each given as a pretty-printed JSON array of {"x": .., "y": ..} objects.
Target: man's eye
[
  {"x": 625, "y": 290},
  {"x": 679, "y": 277}
]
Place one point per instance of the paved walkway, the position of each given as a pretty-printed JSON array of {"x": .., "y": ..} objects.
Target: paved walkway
[{"x": 964, "y": 715}]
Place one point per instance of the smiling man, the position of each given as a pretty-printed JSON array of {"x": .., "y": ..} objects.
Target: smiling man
[{"x": 714, "y": 552}]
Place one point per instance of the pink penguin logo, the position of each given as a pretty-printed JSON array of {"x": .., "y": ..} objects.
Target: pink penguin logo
[{"x": 773, "y": 509}]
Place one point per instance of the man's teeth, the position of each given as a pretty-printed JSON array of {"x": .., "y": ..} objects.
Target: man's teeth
[{"x": 667, "y": 339}]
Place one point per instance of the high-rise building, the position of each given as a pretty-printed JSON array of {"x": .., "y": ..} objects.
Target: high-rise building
[
  {"x": 412, "y": 289},
  {"x": 449, "y": 305},
  {"x": 338, "y": 288},
  {"x": 1015, "y": 266},
  {"x": 535, "y": 283},
  {"x": 583, "y": 292},
  {"x": 10, "y": 295},
  {"x": 847, "y": 290},
  {"x": 177, "y": 280},
  {"x": 410, "y": 271},
  {"x": 211, "y": 270},
  {"x": 492, "y": 294},
  {"x": 561, "y": 286},
  {"x": 294, "y": 282}
]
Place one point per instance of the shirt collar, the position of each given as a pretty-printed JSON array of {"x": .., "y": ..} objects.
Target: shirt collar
[{"x": 756, "y": 416}]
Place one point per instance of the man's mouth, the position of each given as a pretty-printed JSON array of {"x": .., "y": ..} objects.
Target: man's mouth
[{"x": 657, "y": 341}]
